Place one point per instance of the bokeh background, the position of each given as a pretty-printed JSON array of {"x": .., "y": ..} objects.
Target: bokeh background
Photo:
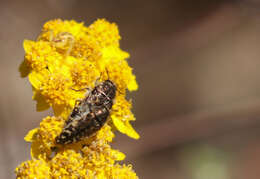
[{"x": 198, "y": 67}]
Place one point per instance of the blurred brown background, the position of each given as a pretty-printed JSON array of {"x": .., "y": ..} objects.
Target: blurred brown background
[{"x": 197, "y": 64}]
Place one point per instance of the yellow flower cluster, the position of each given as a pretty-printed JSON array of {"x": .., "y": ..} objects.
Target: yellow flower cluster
[{"x": 67, "y": 58}]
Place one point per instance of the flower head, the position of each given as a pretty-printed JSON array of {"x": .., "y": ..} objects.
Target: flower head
[
  {"x": 33, "y": 169},
  {"x": 67, "y": 58}
]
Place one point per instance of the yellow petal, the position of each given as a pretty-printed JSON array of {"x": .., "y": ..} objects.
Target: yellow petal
[
  {"x": 24, "y": 69},
  {"x": 36, "y": 79},
  {"x": 132, "y": 86},
  {"x": 36, "y": 149},
  {"x": 61, "y": 110},
  {"x": 30, "y": 135},
  {"x": 27, "y": 45},
  {"x": 119, "y": 155},
  {"x": 41, "y": 104},
  {"x": 125, "y": 127},
  {"x": 113, "y": 52}
]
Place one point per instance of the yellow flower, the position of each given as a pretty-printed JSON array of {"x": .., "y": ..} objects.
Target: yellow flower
[
  {"x": 72, "y": 164},
  {"x": 66, "y": 59},
  {"x": 68, "y": 164},
  {"x": 42, "y": 138},
  {"x": 54, "y": 27},
  {"x": 55, "y": 90},
  {"x": 122, "y": 172},
  {"x": 105, "y": 33},
  {"x": 91, "y": 157},
  {"x": 118, "y": 69},
  {"x": 84, "y": 73},
  {"x": 69, "y": 56},
  {"x": 33, "y": 169},
  {"x": 37, "y": 54}
]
